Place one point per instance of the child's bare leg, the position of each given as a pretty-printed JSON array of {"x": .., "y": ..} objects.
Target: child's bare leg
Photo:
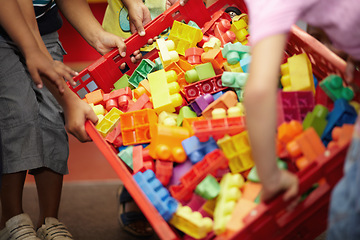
[
  {"x": 12, "y": 186},
  {"x": 49, "y": 187}
]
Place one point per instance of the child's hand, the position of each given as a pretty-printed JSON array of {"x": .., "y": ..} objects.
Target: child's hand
[
  {"x": 169, "y": 3},
  {"x": 76, "y": 113},
  {"x": 182, "y": 2},
  {"x": 139, "y": 15},
  {"x": 284, "y": 181},
  {"x": 39, "y": 66},
  {"x": 66, "y": 72}
]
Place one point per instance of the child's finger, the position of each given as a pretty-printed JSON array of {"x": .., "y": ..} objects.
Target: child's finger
[
  {"x": 36, "y": 78},
  {"x": 55, "y": 79},
  {"x": 137, "y": 27}
]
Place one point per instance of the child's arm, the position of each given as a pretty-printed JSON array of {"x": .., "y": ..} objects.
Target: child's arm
[
  {"x": 12, "y": 20},
  {"x": 76, "y": 110},
  {"x": 79, "y": 14},
  {"x": 260, "y": 102}
]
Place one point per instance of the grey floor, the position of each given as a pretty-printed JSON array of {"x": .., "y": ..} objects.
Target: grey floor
[{"x": 88, "y": 209}]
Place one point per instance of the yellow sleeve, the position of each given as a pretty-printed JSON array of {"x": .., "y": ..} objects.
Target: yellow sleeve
[{"x": 116, "y": 19}]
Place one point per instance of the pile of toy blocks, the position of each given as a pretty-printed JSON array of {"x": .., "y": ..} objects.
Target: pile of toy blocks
[{"x": 179, "y": 124}]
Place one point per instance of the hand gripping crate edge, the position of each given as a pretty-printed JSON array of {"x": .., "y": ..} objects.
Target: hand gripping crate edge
[{"x": 308, "y": 220}]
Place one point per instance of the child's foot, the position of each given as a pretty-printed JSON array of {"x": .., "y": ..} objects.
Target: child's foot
[
  {"x": 131, "y": 218},
  {"x": 19, "y": 227},
  {"x": 53, "y": 229}
]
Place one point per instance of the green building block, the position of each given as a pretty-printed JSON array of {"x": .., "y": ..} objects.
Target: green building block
[
  {"x": 234, "y": 52},
  {"x": 123, "y": 82},
  {"x": 126, "y": 156},
  {"x": 234, "y": 79},
  {"x": 185, "y": 112},
  {"x": 208, "y": 188},
  {"x": 316, "y": 119},
  {"x": 200, "y": 72},
  {"x": 145, "y": 67},
  {"x": 334, "y": 88},
  {"x": 253, "y": 176}
]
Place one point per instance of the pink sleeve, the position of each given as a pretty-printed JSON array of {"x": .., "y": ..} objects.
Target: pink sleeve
[{"x": 270, "y": 17}]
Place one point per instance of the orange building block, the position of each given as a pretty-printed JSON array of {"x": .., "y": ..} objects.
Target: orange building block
[
  {"x": 225, "y": 101},
  {"x": 187, "y": 123},
  {"x": 251, "y": 190},
  {"x": 95, "y": 97},
  {"x": 286, "y": 132},
  {"x": 166, "y": 143},
  {"x": 143, "y": 88},
  {"x": 242, "y": 208},
  {"x": 308, "y": 144},
  {"x": 341, "y": 135},
  {"x": 215, "y": 57}
]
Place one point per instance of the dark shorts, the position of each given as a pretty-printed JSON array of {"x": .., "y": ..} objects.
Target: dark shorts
[{"x": 31, "y": 121}]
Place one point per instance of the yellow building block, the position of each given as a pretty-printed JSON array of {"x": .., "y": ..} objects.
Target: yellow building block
[
  {"x": 240, "y": 29},
  {"x": 229, "y": 194},
  {"x": 164, "y": 91},
  {"x": 209, "y": 207},
  {"x": 167, "y": 118},
  {"x": 191, "y": 223},
  {"x": 109, "y": 122},
  {"x": 213, "y": 43},
  {"x": 167, "y": 51},
  {"x": 232, "y": 68},
  {"x": 297, "y": 74},
  {"x": 237, "y": 149},
  {"x": 184, "y": 36}
]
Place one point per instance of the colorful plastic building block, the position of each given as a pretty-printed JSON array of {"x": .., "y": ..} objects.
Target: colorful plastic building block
[
  {"x": 196, "y": 150},
  {"x": 307, "y": 145},
  {"x": 157, "y": 194},
  {"x": 123, "y": 82},
  {"x": 143, "y": 88},
  {"x": 253, "y": 176},
  {"x": 164, "y": 91},
  {"x": 95, "y": 97},
  {"x": 239, "y": 27},
  {"x": 229, "y": 194},
  {"x": 294, "y": 105},
  {"x": 232, "y": 67},
  {"x": 342, "y": 113},
  {"x": 286, "y": 132},
  {"x": 126, "y": 155},
  {"x": 208, "y": 188},
  {"x": 223, "y": 33},
  {"x": 201, "y": 103},
  {"x": 211, "y": 85},
  {"x": 191, "y": 223},
  {"x": 136, "y": 126},
  {"x": 334, "y": 87},
  {"x": 185, "y": 112},
  {"x": 166, "y": 118},
  {"x": 216, "y": 59},
  {"x": 213, "y": 43},
  {"x": 242, "y": 209},
  {"x": 166, "y": 143},
  {"x": 141, "y": 159},
  {"x": 167, "y": 51},
  {"x": 163, "y": 170},
  {"x": 187, "y": 123},
  {"x": 234, "y": 79},
  {"x": 184, "y": 36},
  {"x": 341, "y": 135},
  {"x": 145, "y": 67},
  {"x": 297, "y": 74},
  {"x": 109, "y": 122},
  {"x": 141, "y": 103},
  {"x": 200, "y": 72},
  {"x": 316, "y": 119},
  {"x": 120, "y": 98},
  {"x": 227, "y": 100},
  {"x": 234, "y": 52},
  {"x": 193, "y": 55},
  {"x": 237, "y": 149},
  {"x": 180, "y": 68},
  {"x": 209, "y": 165},
  {"x": 218, "y": 128},
  {"x": 114, "y": 137},
  {"x": 245, "y": 63}
]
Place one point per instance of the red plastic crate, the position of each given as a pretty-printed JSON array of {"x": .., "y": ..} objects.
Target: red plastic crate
[{"x": 268, "y": 220}]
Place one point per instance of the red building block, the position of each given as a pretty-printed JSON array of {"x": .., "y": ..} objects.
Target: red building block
[
  {"x": 217, "y": 128},
  {"x": 142, "y": 160},
  {"x": 163, "y": 171},
  {"x": 210, "y": 85},
  {"x": 209, "y": 165},
  {"x": 193, "y": 55}
]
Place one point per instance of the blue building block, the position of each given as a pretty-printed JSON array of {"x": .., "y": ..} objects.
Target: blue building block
[
  {"x": 158, "y": 195},
  {"x": 217, "y": 95},
  {"x": 196, "y": 150},
  {"x": 245, "y": 63},
  {"x": 342, "y": 113}
]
